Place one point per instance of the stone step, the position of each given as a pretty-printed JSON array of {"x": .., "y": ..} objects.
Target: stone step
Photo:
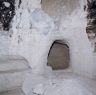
[
  {"x": 9, "y": 64},
  {"x": 13, "y": 70}
]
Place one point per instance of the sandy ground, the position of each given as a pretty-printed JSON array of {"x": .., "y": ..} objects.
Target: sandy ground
[{"x": 63, "y": 83}]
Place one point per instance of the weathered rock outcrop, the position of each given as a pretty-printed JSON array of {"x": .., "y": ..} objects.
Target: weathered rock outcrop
[
  {"x": 7, "y": 12},
  {"x": 91, "y": 22}
]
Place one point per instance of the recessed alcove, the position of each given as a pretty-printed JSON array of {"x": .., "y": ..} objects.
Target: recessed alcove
[
  {"x": 59, "y": 8},
  {"x": 58, "y": 57}
]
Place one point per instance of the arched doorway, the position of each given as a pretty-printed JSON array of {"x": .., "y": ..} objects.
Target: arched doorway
[{"x": 58, "y": 57}]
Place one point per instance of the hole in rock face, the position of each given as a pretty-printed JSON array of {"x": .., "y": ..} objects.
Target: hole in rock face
[
  {"x": 59, "y": 57},
  {"x": 7, "y": 12}
]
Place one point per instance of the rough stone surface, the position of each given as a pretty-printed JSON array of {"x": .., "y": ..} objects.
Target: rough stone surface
[
  {"x": 7, "y": 11},
  {"x": 34, "y": 32},
  {"x": 91, "y": 24}
]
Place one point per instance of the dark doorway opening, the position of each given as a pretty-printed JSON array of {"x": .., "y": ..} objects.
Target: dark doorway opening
[{"x": 58, "y": 57}]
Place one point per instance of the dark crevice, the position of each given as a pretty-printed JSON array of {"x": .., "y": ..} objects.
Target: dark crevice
[{"x": 19, "y": 3}]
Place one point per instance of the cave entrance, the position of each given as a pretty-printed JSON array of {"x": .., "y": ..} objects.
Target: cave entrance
[{"x": 58, "y": 57}]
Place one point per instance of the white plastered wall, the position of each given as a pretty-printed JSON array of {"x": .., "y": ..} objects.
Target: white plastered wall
[{"x": 37, "y": 31}]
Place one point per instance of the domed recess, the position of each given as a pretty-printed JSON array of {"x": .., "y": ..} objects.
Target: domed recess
[{"x": 55, "y": 8}]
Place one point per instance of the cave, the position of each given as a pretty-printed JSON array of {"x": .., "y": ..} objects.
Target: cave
[
  {"x": 58, "y": 57},
  {"x": 48, "y": 51}
]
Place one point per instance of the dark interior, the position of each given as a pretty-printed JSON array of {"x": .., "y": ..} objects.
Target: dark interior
[{"x": 58, "y": 57}]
